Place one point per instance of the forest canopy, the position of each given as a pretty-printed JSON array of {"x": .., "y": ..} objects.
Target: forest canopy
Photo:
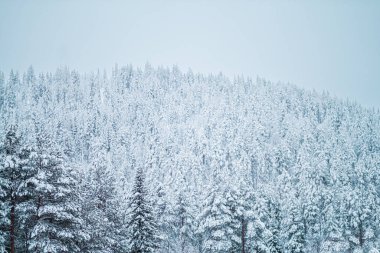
[{"x": 207, "y": 163}]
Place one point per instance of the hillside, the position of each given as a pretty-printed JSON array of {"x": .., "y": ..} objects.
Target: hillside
[{"x": 230, "y": 165}]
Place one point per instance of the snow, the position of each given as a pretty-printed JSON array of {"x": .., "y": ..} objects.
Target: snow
[{"x": 223, "y": 160}]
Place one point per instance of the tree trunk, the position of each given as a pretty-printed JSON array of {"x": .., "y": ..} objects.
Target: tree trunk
[
  {"x": 182, "y": 237},
  {"x": 361, "y": 234},
  {"x": 12, "y": 228},
  {"x": 242, "y": 235}
]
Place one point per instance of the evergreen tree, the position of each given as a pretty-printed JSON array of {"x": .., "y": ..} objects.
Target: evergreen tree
[
  {"x": 239, "y": 203},
  {"x": 101, "y": 210},
  {"x": 216, "y": 224},
  {"x": 274, "y": 226},
  {"x": 26, "y": 203},
  {"x": 294, "y": 231},
  {"x": 333, "y": 227},
  {"x": 142, "y": 224},
  {"x": 261, "y": 238},
  {"x": 57, "y": 223},
  {"x": 183, "y": 225},
  {"x": 162, "y": 210},
  {"x": 3, "y": 216},
  {"x": 14, "y": 177}
]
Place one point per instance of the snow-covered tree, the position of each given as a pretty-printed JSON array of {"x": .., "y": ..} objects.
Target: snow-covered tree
[
  {"x": 101, "y": 207},
  {"x": 183, "y": 225},
  {"x": 294, "y": 231},
  {"x": 57, "y": 222},
  {"x": 143, "y": 237},
  {"x": 15, "y": 174},
  {"x": 263, "y": 226},
  {"x": 216, "y": 223}
]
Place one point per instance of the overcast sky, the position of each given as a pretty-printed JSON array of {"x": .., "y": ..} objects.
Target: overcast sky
[{"x": 322, "y": 45}]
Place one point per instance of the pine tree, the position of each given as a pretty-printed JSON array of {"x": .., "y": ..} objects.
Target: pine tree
[
  {"x": 57, "y": 223},
  {"x": 333, "y": 228},
  {"x": 26, "y": 205},
  {"x": 3, "y": 216},
  {"x": 10, "y": 181},
  {"x": 14, "y": 177},
  {"x": 239, "y": 203},
  {"x": 142, "y": 224},
  {"x": 260, "y": 232},
  {"x": 183, "y": 224},
  {"x": 295, "y": 231},
  {"x": 216, "y": 223},
  {"x": 274, "y": 226},
  {"x": 101, "y": 210},
  {"x": 162, "y": 210}
]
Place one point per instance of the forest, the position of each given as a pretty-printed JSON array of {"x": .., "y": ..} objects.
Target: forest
[{"x": 155, "y": 159}]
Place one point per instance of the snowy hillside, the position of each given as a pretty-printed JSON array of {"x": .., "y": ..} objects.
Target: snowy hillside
[{"x": 168, "y": 161}]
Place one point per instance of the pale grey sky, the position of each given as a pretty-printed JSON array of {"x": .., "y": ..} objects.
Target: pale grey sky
[{"x": 323, "y": 45}]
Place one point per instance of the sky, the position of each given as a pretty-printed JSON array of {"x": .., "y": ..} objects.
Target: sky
[{"x": 322, "y": 45}]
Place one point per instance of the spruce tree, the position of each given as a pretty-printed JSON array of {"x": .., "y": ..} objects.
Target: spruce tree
[
  {"x": 57, "y": 222},
  {"x": 3, "y": 217},
  {"x": 162, "y": 211},
  {"x": 100, "y": 204},
  {"x": 261, "y": 234},
  {"x": 333, "y": 229},
  {"x": 238, "y": 204},
  {"x": 295, "y": 232},
  {"x": 15, "y": 174},
  {"x": 142, "y": 224},
  {"x": 183, "y": 224},
  {"x": 216, "y": 223}
]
